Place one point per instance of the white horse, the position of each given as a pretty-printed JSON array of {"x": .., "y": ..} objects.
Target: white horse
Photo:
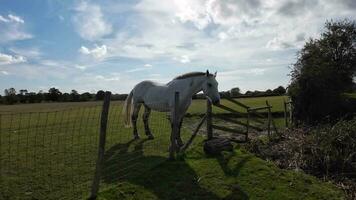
[{"x": 160, "y": 97}]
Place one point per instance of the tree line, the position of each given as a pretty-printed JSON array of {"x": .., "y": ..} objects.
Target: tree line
[
  {"x": 236, "y": 93},
  {"x": 55, "y": 95}
]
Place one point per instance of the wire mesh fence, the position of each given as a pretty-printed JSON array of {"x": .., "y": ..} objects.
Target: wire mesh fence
[
  {"x": 47, "y": 155},
  {"x": 52, "y": 154}
]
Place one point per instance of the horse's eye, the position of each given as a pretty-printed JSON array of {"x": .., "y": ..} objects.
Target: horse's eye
[{"x": 209, "y": 85}]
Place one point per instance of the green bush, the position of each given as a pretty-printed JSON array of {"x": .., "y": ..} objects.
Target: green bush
[{"x": 324, "y": 70}]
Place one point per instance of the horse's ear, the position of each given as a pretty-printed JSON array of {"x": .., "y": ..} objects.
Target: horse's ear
[
  {"x": 215, "y": 74},
  {"x": 207, "y": 72}
]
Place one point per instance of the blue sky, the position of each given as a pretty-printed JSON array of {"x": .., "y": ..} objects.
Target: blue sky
[{"x": 112, "y": 45}]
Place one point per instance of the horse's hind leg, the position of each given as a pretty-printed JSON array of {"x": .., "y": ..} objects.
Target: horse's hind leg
[
  {"x": 134, "y": 116},
  {"x": 179, "y": 139},
  {"x": 145, "y": 117}
]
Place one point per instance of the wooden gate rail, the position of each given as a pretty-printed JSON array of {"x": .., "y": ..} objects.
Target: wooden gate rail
[
  {"x": 229, "y": 109},
  {"x": 236, "y": 102},
  {"x": 251, "y": 114},
  {"x": 236, "y": 122},
  {"x": 221, "y": 128}
]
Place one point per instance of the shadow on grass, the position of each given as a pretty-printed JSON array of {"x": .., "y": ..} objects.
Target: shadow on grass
[
  {"x": 160, "y": 178},
  {"x": 232, "y": 167}
]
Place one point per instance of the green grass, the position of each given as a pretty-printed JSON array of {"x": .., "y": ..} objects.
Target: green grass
[
  {"x": 52, "y": 155},
  {"x": 48, "y": 151},
  {"x": 236, "y": 175},
  {"x": 351, "y": 95}
]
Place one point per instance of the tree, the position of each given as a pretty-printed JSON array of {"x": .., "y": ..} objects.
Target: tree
[
  {"x": 10, "y": 96},
  {"x": 280, "y": 90},
  {"x": 86, "y": 96},
  {"x": 74, "y": 96},
  {"x": 54, "y": 94},
  {"x": 323, "y": 72},
  {"x": 100, "y": 95},
  {"x": 22, "y": 96},
  {"x": 234, "y": 92},
  {"x": 32, "y": 97}
]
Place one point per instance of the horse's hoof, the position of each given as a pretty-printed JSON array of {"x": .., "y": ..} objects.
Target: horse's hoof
[{"x": 150, "y": 137}]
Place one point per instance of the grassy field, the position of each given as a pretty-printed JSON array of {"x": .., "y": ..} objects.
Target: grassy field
[
  {"x": 48, "y": 151},
  {"x": 198, "y": 106}
]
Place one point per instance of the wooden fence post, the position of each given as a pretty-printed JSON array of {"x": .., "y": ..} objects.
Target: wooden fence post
[
  {"x": 285, "y": 114},
  {"x": 290, "y": 112},
  {"x": 248, "y": 123},
  {"x": 269, "y": 120},
  {"x": 209, "y": 128},
  {"x": 101, "y": 150},
  {"x": 173, "y": 148}
]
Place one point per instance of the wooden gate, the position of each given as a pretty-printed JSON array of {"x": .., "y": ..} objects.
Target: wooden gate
[{"x": 250, "y": 120}]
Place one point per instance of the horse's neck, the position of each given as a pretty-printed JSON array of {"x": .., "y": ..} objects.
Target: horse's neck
[{"x": 190, "y": 86}]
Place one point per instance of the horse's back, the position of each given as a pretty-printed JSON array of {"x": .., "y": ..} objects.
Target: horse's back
[{"x": 149, "y": 92}]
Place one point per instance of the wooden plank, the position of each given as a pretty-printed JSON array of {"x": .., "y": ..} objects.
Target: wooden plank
[
  {"x": 269, "y": 120},
  {"x": 228, "y": 109},
  {"x": 209, "y": 130},
  {"x": 236, "y": 102},
  {"x": 259, "y": 108},
  {"x": 257, "y": 120},
  {"x": 173, "y": 147},
  {"x": 232, "y": 139},
  {"x": 236, "y": 122},
  {"x": 248, "y": 125},
  {"x": 194, "y": 134},
  {"x": 101, "y": 149},
  {"x": 227, "y": 129},
  {"x": 285, "y": 114}
]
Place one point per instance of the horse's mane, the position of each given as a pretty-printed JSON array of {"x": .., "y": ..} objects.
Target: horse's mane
[{"x": 191, "y": 74}]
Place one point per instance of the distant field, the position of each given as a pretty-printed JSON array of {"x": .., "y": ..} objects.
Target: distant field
[{"x": 198, "y": 106}]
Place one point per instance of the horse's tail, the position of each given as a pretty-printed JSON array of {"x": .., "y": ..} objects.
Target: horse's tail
[{"x": 127, "y": 110}]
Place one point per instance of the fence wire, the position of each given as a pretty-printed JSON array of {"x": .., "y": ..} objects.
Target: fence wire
[
  {"x": 125, "y": 158},
  {"x": 52, "y": 154}
]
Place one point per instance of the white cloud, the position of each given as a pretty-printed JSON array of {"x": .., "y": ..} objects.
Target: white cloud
[
  {"x": 89, "y": 21},
  {"x": 81, "y": 67},
  {"x": 11, "y": 18},
  {"x": 148, "y": 65},
  {"x": 15, "y": 18},
  {"x": 12, "y": 29},
  {"x": 137, "y": 69},
  {"x": 6, "y": 59},
  {"x": 182, "y": 59},
  {"x": 98, "y": 52},
  {"x": 31, "y": 53},
  {"x": 4, "y": 73}
]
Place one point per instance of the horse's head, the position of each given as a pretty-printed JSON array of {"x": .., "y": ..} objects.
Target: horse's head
[{"x": 210, "y": 88}]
